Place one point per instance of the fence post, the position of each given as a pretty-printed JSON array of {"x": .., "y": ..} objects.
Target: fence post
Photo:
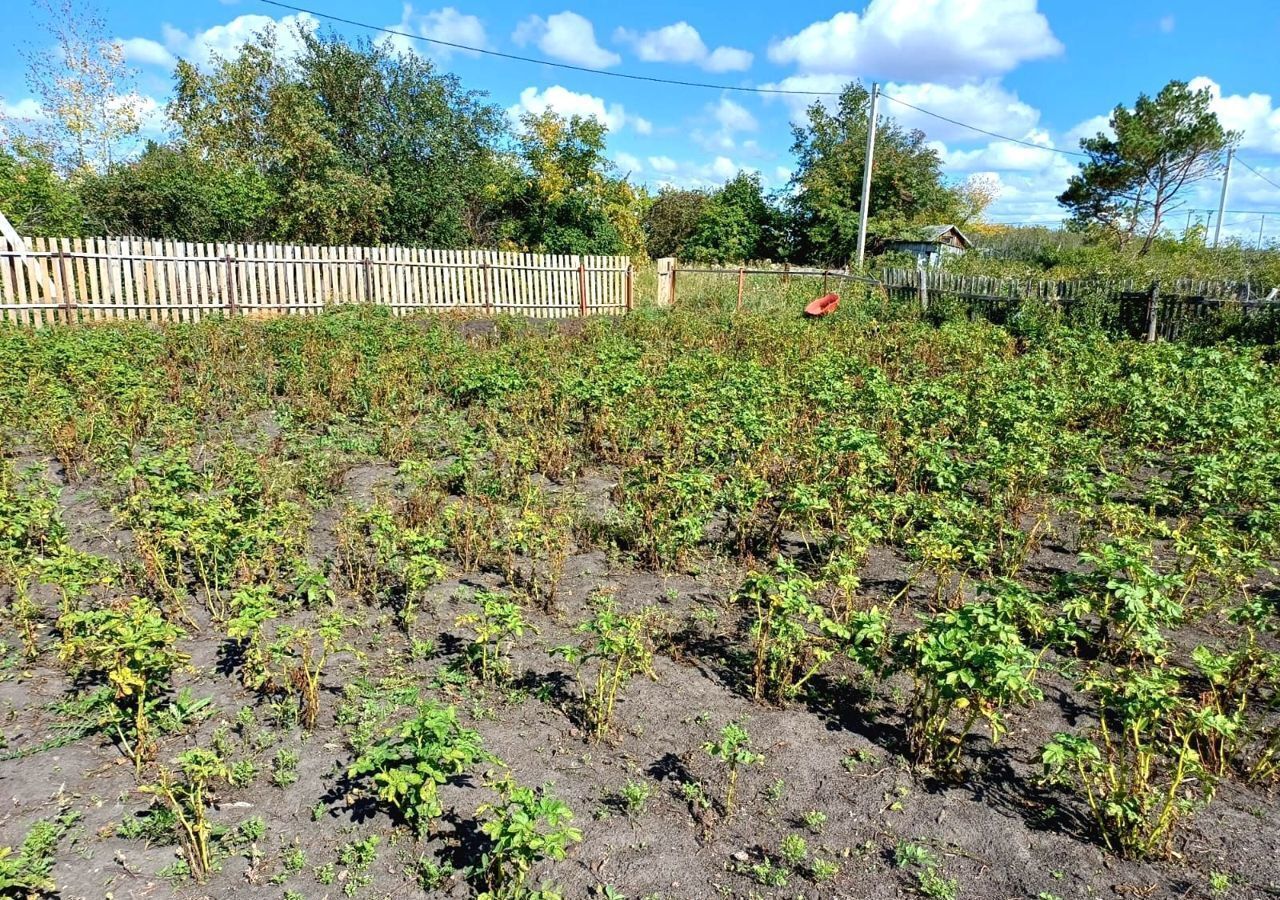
[
  {"x": 582, "y": 288},
  {"x": 486, "y": 287},
  {"x": 630, "y": 285},
  {"x": 824, "y": 282},
  {"x": 666, "y": 280},
  {"x": 231, "y": 284},
  {"x": 742, "y": 279},
  {"x": 923, "y": 289},
  {"x": 1153, "y": 300},
  {"x": 68, "y": 302},
  {"x": 366, "y": 266}
]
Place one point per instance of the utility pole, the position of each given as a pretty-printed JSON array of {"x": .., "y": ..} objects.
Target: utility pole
[
  {"x": 1222, "y": 201},
  {"x": 866, "y": 177},
  {"x": 1261, "y": 224}
]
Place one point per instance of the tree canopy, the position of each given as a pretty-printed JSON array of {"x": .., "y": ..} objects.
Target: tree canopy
[{"x": 1131, "y": 181}]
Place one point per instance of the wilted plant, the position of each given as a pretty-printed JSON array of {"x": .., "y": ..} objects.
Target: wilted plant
[
  {"x": 187, "y": 793},
  {"x": 1139, "y": 768},
  {"x": 132, "y": 646},
  {"x": 496, "y": 623},
  {"x": 617, "y": 646}
]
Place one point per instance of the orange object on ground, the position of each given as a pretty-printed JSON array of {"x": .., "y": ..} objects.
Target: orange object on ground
[{"x": 823, "y": 305}]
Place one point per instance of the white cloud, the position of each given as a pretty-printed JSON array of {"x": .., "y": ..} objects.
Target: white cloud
[
  {"x": 723, "y": 168},
  {"x": 728, "y": 59},
  {"x": 733, "y": 117},
  {"x": 662, "y": 164},
  {"x": 782, "y": 174},
  {"x": 987, "y": 105},
  {"x": 27, "y": 109},
  {"x": 1256, "y": 115},
  {"x": 681, "y": 43},
  {"x": 225, "y": 40},
  {"x": 1005, "y": 156},
  {"x": 570, "y": 103},
  {"x": 628, "y": 163},
  {"x": 445, "y": 24},
  {"x": 923, "y": 40},
  {"x": 146, "y": 52},
  {"x": 566, "y": 36},
  {"x": 1167, "y": 24},
  {"x": 1090, "y": 127}
]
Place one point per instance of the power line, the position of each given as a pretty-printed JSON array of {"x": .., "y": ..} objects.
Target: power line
[
  {"x": 546, "y": 62},
  {"x": 1259, "y": 174},
  {"x": 652, "y": 79},
  {"x": 1001, "y": 137}
]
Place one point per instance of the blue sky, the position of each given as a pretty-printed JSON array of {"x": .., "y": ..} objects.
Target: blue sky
[{"x": 1045, "y": 71}]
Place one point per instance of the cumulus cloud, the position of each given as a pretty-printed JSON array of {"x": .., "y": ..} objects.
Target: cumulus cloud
[
  {"x": 662, "y": 164},
  {"x": 27, "y": 109},
  {"x": 627, "y": 162},
  {"x": 922, "y": 40},
  {"x": 733, "y": 116},
  {"x": 1255, "y": 115},
  {"x": 566, "y": 36},
  {"x": 1090, "y": 127},
  {"x": 987, "y": 105},
  {"x": 147, "y": 52},
  {"x": 446, "y": 24},
  {"x": 569, "y": 103},
  {"x": 681, "y": 43},
  {"x": 226, "y": 40}
]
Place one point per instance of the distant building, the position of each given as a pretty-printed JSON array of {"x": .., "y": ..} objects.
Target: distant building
[{"x": 931, "y": 244}]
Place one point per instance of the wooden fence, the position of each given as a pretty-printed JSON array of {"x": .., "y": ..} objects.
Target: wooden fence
[
  {"x": 1168, "y": 310},
  {"x": 66, "y": 280}
]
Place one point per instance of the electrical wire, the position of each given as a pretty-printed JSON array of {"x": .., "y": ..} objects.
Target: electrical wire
[
  {"x": 652, "y": 79},
  {"x": 484, "y": 51},
  {"x": 1000, "y": 137},
  {"x": 1256, "y": 172}
]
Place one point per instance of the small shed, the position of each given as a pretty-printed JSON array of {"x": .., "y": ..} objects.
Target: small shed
[{"x": 931, "y": 244}]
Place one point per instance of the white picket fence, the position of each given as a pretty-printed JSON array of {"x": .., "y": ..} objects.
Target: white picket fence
[{"x": 66, "y": 280}]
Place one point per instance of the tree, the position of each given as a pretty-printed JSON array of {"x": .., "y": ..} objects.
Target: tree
[
  {"x": 735, "y": 223},
  {"x": 84, "y": 88},
  {"x": 566, "y": 198},
  {"x": 671, "y": 220},
  {"x": 171, "y": 193},
  {"x": 1131, "y": 181},
  {"x": 394, "y": 120},
  {"x": 907, "y": 186},
  {"x": 255, "y": 111},
  {"x": 34, "y": 197}
]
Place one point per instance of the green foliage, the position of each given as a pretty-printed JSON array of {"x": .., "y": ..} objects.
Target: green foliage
[
  {"x": 734, "y": 224},
  {"x": 733, "y": 749},
  {"x": 131, "y": 647},
  {"x": 525, "y": 826},
  {"x": 1162, "y": 146},
  {"x": 616, "y": 647},
  {"x": 966, "y": 665},
  {"x": 671, "y": 219},
  {"x": 410, "y": 763},
  {"x": 26, "y": 873},
  {"x": 907, "y": 187},
  {"x": 35, "y": 199},
  {"x": 1139, "y": 769},
  {"x": 496, "y": 623}
]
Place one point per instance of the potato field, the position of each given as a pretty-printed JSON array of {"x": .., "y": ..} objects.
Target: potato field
[{"x": 684, "y": 604}]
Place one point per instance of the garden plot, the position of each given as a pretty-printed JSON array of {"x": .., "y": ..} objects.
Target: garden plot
[{"x": 676, "y": 606}]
